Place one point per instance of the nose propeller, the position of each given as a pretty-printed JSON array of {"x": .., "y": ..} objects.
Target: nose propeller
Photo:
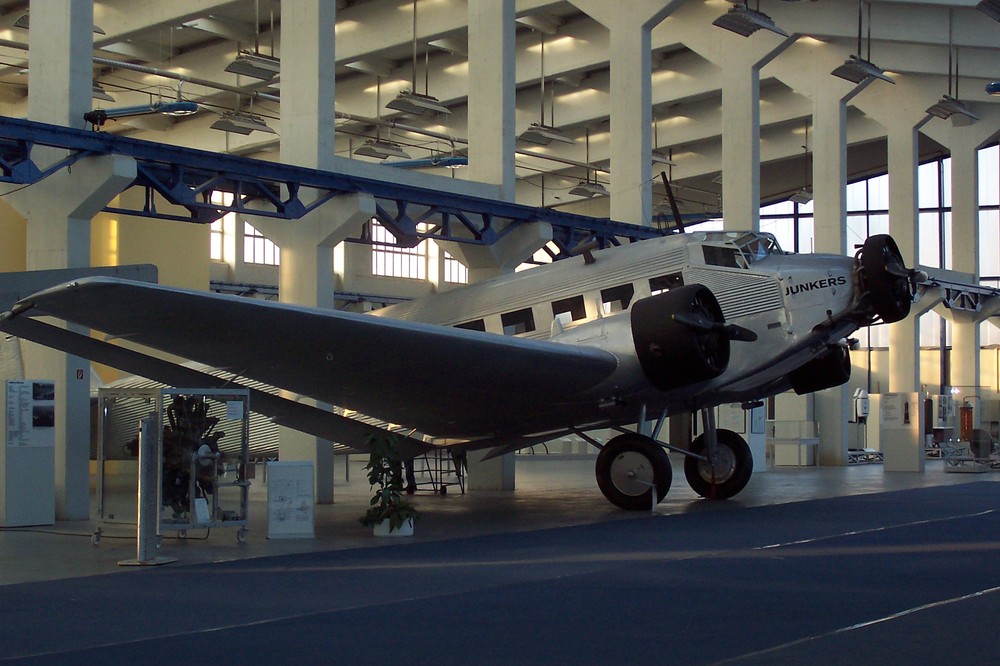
[{"x": 890, "y": 284}]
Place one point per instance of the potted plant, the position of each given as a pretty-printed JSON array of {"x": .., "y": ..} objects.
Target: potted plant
[{"x": 389, "y": 513}]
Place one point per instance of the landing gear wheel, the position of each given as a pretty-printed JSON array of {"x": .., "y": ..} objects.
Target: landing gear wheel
[
  {"x": 628, "y": 467},
  {"x": 732, "y": 469},
  {"x": 887, "y": 278}
]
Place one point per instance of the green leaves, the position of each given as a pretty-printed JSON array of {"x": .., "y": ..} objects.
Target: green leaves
[{"x": 385, "y": 475}]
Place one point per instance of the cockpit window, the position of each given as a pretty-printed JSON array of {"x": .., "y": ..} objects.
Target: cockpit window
[{"x": 738, "y": 249}]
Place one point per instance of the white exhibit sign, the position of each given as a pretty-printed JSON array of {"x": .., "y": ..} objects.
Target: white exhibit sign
[
  {"x": 31, "y": 413},
  {"x": 290, "y": 497}
]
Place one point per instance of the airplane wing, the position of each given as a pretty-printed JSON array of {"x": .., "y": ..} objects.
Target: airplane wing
[{"x": 443, "y": 381}]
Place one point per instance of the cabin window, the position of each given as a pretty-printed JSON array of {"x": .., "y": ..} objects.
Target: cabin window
[
  {"x": 477, "y": 325},
  {"x": 658, "y": 285},
  {"x": 574, "y": 307},
  {"x": 616, "y": 299},
  {"x": 519, "y": 321},
  {"x": 722, "y": 256}
]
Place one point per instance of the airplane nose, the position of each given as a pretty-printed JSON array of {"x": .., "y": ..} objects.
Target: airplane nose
[{"x": 889, "y": 283}]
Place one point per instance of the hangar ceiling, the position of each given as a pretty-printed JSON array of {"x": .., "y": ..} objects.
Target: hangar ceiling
[{"x": 147, "y": 50}]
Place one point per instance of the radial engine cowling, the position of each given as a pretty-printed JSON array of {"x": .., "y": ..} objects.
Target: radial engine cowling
[{"x": 679, "y": 337}]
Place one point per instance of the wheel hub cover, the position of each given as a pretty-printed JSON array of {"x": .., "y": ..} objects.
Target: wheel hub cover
[
  {"x": 725, "y": 466},
  {"x": 632, "y": 473}
]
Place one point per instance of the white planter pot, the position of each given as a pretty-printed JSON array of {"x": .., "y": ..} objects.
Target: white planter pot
[{"x": 404, "y": 530}]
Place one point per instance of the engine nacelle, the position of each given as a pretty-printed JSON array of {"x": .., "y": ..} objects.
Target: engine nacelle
[
  {"x": 832, "y": 368},
  {"x": 679, "y": 337}
]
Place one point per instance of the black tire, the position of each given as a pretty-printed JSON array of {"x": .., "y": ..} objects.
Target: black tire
[
  {"x": 627, "y": 469},
  {"x": 732, "y": 470},
  {"x": 884, "y": 271}
]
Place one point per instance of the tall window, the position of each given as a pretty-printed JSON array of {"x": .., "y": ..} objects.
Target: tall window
[
  {"x": 791, "y": 223},
  {"x": 391, "y": 260},
  {"x": 455, "y": 272},
  {"x": 257, "y": 249},
  {"x": 217, "y": 230}
]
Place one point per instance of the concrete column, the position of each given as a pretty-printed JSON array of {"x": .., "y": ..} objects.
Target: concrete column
[
  {"x": 904, "y": 336},
  {"x": 740, "y": 139},
  {"x": 306, "y": 277},
  {"x": 491, "y": 94},
  {"x": 833, "y": 405},
  {"x": 306, "y": 274},
  {"x": 630, "y": 90},
  {"x": 58, "y": 212},
  {"x": 308, "y": 83},
  {"x": 964, "y": 143}
]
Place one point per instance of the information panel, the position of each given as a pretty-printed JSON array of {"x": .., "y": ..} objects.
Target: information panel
[{"x": 290, "y": 497}]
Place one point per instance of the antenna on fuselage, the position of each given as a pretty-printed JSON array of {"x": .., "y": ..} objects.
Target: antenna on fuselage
[{"x": 678, "y": 220}]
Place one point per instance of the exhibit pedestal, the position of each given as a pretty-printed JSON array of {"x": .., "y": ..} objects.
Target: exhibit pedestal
[{"x": 901, "y": 432}]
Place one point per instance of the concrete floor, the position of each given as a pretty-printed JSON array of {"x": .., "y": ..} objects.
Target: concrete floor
[
  {"x": 856, "y": 560},
  {"x": 552, "y": 491}
]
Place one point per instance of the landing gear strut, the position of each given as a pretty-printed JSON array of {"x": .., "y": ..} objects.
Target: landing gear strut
[{"x": 629, "y": 467}]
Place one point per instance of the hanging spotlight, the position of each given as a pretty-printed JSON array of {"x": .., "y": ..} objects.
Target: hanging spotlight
[
  {"x": 803, "y": 196},
  {"x": 409, "y": 101},
  {"x": 948, "y": 106},
  {"x": 381, "y": 150},
  {"x": 588, "y": 190},
  {"x": 745, "y": 21},
  {"x": 255, "y": 65},
  {"x": 856, "y": 69},
  {"x": 24, "y": 22},
  {"x": 100, "y": 93},
  {"x": 241, "y": 123},
  {"x": 543, "y": 135},
  {"x": 417, "y": 104}
]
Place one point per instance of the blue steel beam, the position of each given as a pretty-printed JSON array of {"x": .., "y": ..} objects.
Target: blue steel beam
[{"x": 186, "y": 177}]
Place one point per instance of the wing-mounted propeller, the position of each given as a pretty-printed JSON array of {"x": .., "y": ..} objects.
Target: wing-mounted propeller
[
  {"x": 890, "y": 285},
  {"x": 681, "y": 337},
  {"x": 701, "y": 323}
]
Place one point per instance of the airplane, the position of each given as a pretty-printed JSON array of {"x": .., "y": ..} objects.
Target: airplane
[{"x": 603, "y": 340}]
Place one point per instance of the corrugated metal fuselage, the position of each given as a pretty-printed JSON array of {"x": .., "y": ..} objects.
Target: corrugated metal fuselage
[{"x": 797, "y": 305}]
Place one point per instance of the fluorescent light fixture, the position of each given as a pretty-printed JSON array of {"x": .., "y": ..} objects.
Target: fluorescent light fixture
[
  {"x": 993, "y": 88},
  {"x": 856, "y": 69},
  {"x": 543, "y": 135},
  {"x": 255, "y": 65},
  {"x": 803, "y": 196},
  {"x": 585, "y": 189},
  {"x": 660, "y": 158},
  {"x": 24, "y": 22},
  {"x": 241, "y": 123},
  {"x": 948, "y": 106},
  {"x": 745, "y": 21},
  {"x": 380, "y": 149},
  {"x": 991, "y": 8},
  {"x": 177, "y": 108},
  {"x": 449, "y": 161},
  {"x": 417, "y": 104},
  {"x": 102, "y": 94}
]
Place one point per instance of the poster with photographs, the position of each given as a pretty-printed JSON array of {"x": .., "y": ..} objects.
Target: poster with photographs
[{"x": 31, "y": 413}]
